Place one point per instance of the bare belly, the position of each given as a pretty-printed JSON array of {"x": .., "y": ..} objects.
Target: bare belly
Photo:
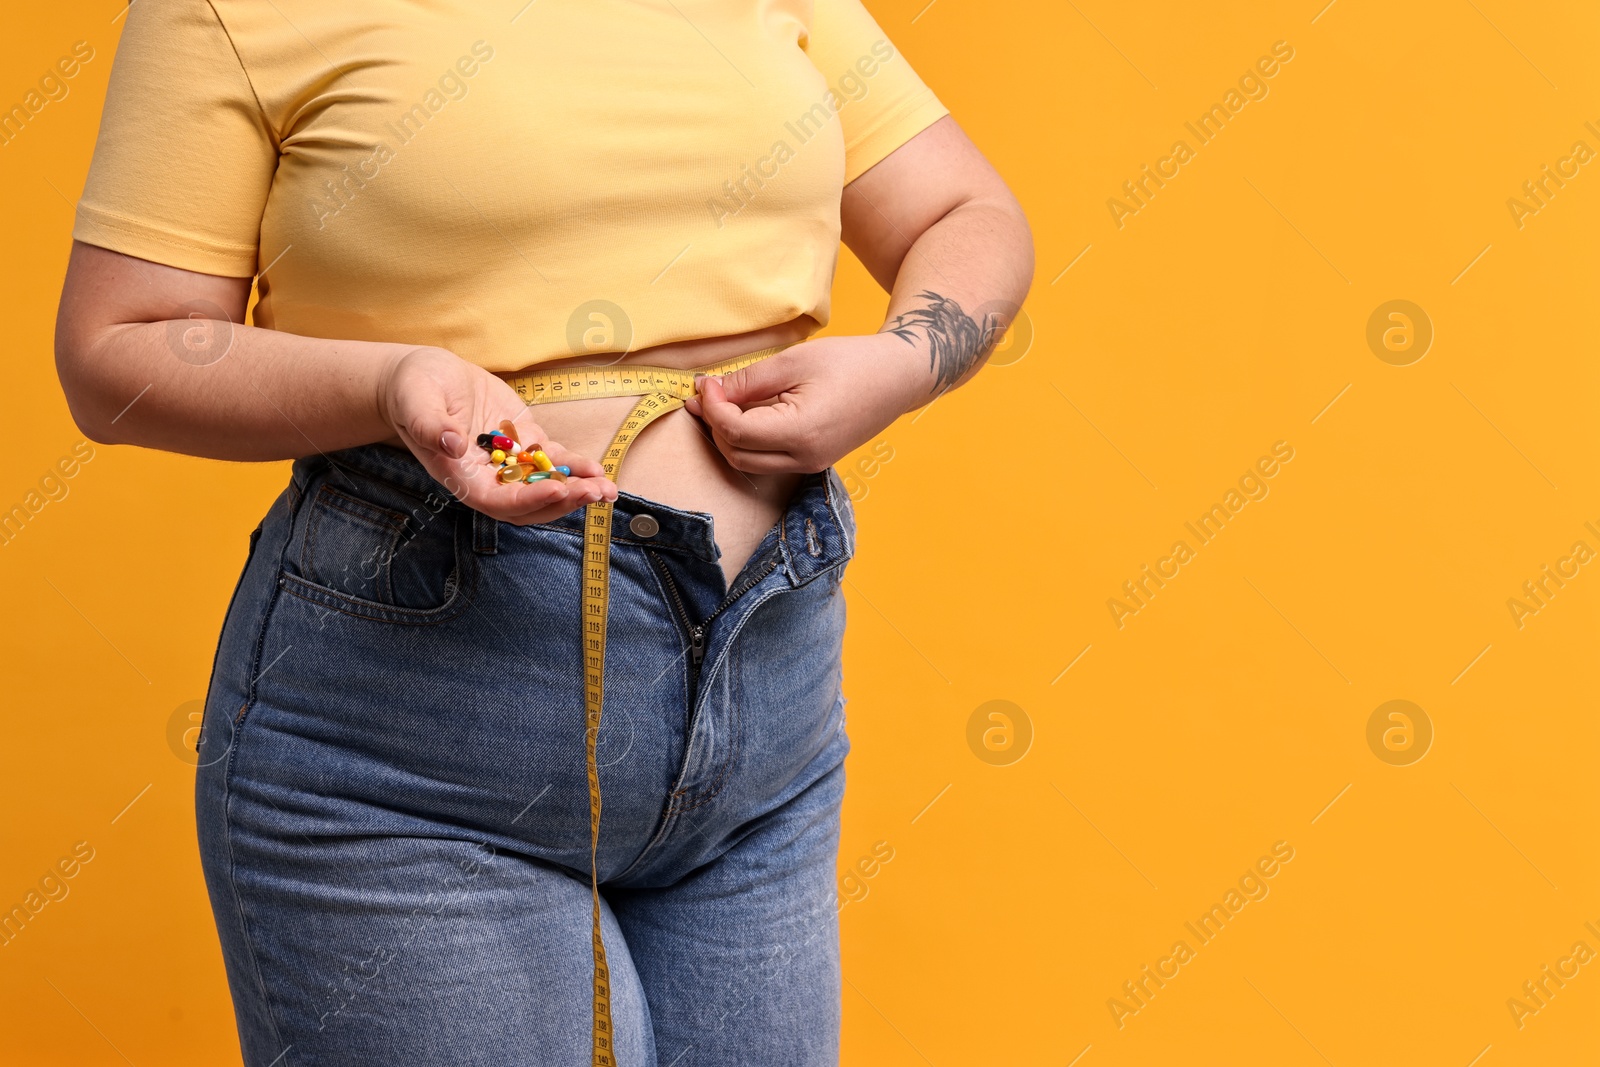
[{"x": 674, "y": 460}]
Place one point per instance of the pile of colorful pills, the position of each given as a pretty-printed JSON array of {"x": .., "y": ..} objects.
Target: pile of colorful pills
[{"x": 516, "y": 463}]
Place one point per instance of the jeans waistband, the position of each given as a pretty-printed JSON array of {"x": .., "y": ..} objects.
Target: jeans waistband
[{"x": 816, "y": 530}]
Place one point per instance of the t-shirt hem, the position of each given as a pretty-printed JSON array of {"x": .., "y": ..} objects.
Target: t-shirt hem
[
  {"x": 891, "y": 131},
  {"x": 104, "y": 229}
]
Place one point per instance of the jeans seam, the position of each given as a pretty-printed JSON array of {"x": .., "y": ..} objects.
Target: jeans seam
[
  {"x": 669, "y": 810},
  {"x": 251, "y": 697},
  {"x": 669, "y": 816},
  {"x": 650, "y": 565},
  {"x": 736, "y": 694},
  {"x": 216, "y": 655},
  {"x": 322, "y": 595},
  {"x": 848, "y": 529}
]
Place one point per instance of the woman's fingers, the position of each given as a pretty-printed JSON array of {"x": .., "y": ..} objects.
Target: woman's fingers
[
  {"x": 474, "y": 479},
  {"x": 530, "y": 435},
  {"x": 761, "y": 381},
  {"x": 443, "y": 428},
  {"x": 440, "y": 406},
  {"x": 452, "y": 444},
  {"x": 542, "y": 501},
  {"x": 547, "y": 500},
  {"x": 764, "y": 427},
  {"x": 767, "y": 439},
  {"x": 752, "y": 462},
  {"x": 431, "y": 434},
  {"x": 582, "y": 466}
]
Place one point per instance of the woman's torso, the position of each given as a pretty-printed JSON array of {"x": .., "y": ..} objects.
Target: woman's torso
[
  {"x": 520, "y": 183},
  {"x": 553, "y": 192},
  {"x": 447, "y": 176}
]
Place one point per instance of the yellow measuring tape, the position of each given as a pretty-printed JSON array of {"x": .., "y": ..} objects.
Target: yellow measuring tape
[{"x": 660, "y": 389}]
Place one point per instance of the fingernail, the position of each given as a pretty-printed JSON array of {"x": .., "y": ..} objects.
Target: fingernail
[{"x": 451, "y": 445}]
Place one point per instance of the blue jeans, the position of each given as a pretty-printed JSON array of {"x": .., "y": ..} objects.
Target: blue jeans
[{"x": 392, "y": 799}]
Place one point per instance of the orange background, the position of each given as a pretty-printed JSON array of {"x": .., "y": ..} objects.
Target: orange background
[{"x": 1030, "y": 879}]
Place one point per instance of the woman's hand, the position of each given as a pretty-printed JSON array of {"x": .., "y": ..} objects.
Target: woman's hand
[
  {"x": 438, "y": 403},
  {"x": 814, "y": 403}
]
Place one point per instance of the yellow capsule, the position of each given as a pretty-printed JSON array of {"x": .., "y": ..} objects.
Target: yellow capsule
[
  {"x": 542, "y": 461},
  {"x": 511, "y": 472},
  {"x": 498, "y": 455}
]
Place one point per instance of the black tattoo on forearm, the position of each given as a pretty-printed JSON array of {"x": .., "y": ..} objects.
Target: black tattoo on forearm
[{"x": 956, "y": 343}]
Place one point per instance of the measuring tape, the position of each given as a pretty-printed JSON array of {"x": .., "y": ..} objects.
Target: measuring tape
[{"x": 660, "y": 389}]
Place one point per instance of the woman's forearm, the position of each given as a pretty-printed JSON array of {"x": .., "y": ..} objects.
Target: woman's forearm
[
  {"x": 961, "y": 283},
  {"x": 956, "y": 286},
  {"x": 202, "y": 385},
  {"x": 272, "y": 396}
]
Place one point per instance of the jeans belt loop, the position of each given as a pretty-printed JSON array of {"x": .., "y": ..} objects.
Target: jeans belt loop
[{"x": 485, "y": 534}]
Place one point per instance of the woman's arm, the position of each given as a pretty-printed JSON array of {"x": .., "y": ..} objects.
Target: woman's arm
[
  {"x": 137, "y": 369},
  {"x": 934, "y": 224},
  {"x": 157, "y": 356},
  {"x": 938, "y": 228}
]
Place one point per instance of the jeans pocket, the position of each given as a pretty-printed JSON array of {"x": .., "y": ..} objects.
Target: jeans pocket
[{"x": 377, "y": 551}]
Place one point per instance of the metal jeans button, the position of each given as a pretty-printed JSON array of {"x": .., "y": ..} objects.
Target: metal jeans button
[{"x": 644, "y": 525}]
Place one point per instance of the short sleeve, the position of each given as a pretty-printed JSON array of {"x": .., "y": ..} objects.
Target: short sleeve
[
  {"x": 184, "y": 158},
  {"x": 884, "y": 102}
]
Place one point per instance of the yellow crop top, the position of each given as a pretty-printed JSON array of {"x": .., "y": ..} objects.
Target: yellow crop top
[{"x": 517, "y": 181}]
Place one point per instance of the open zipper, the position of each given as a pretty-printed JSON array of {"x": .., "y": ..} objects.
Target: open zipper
[{"x": 697, "y": 631}]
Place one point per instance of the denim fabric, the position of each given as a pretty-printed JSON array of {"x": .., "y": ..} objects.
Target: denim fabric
[{"x": 392, "y": 799}]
